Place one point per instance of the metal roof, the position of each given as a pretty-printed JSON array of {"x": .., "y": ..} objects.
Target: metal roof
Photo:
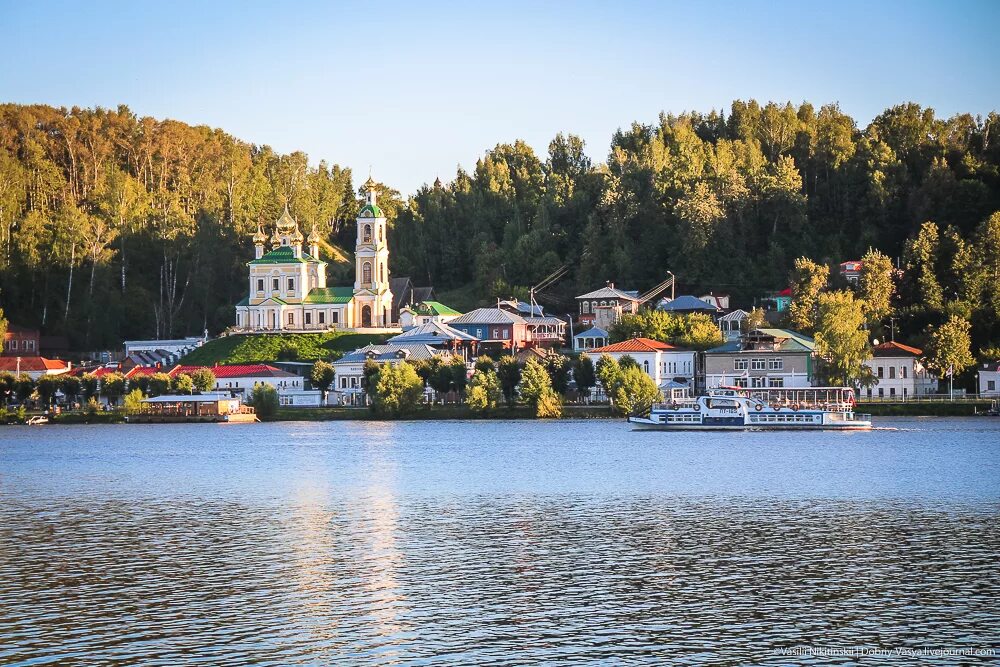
[
  {"x": 688, "y": 302},
  {"x": 488, "y": 316},
  {"x": 389, "y": 352},
  {"x": 735, "y": 316},
  {"x": 432, "y": 333},
  {"x": 610, "y": 293},
  {"x": 592, "y": 332}
]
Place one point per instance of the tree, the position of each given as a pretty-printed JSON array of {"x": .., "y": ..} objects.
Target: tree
[
  {"x": 634, "y": 391},
  {"x": 558, "y": 367},
  {"x": 584, "y": 375},
  {"x": 841, "y": 340},
  {"x": 989, "y": 246},
  {"x": 133, "y": 402},
  {"x": 322, "y": 376},
  {"x": 112, "y": 387},
  {"x": 70, "y": 386},
  {"x": 920, "y": 257},
  {"x": 608, "y": 372},
  {"x": 46, "y": 386},
  {"x": 399, "y": 390},
  {"x": 203, "y": 380},
  {"x": 369, "y": 377},
  {"x": 8, "y": 381},
  {"x": 509, "y": 373},
  {"x": 755, "y": 320},
  {"x": 700, "y": 332},
  {"x": 140, "y": 382},
  {"x": 89, "y": 385},
  {"x": 950, "y": 347},
  {"x": 876, "y": 285},
  {"x": 264, "y": 399},
  {"x": 808, "y": 279},
  {"x": 159, "y": 384},
  {"x": 24, "y": 387},
  {"x": 182, "y": 383},
  {"x": 3, "y": 325},
  {"x": 484, "y": 363},
  {"x": 442, "y": 378},
  {"x": 627, "y": 361},
  {"x": 484, "y": 392},
  {"x": 537, "y": 391},
  {"x": 459, "y": 374}
]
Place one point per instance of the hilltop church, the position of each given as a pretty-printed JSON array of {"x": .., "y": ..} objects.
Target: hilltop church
[{"x": 288, "y": 289}]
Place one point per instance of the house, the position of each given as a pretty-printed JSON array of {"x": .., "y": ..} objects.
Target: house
[
  {"x": 424, "y": 312},
  {"x": 989, "y": 379},
  {"x": 604, "y": 306},
  {"x": 851, "y": 271},
  {"x": 686, "y": 304},
  {"x": 669, "y": 366},
  {"x": 720, "y": 301},
  {"x": 21, "y": 342},
  {"x": 34, "y": 367},
  {"x": 288, "y": 290},
  {"x": 349, "y": 387},
  {"x": 404, "y": 294},
  {"x": 439, "y": 336},
  {"x": 240, "y": 380},
  {"x": 778, "y": 302},
  {"x": 731, "y": 324},
  {"x": 522, "y": 308},
  {"x": 899, "y": 371},
  {"x": 171, "y": 349},
  {"x": 762, "y": 358},
  {"x": 545, "y": 331},
  {"x": 496, "y": 329},
  {"x": 589, "y": 339}
]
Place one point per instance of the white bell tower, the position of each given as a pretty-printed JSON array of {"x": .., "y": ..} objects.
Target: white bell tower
[{"x": 372, "y": 297}]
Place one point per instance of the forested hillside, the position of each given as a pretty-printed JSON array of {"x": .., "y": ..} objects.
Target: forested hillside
[{"x": 113, "y": 226}]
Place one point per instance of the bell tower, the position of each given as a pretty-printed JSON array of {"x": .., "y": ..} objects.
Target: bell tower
[{"x": 372, "y": 297}]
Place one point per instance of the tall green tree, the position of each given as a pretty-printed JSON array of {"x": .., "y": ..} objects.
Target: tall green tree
[
  {"x": 808, "y": 279},
  {"x": 841, "y": 340}
]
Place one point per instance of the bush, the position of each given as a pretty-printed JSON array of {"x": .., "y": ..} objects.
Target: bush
[
  {"x": 203, "y": 379},
  {"x": 399, "y": 390},
  {"x": 159, "y": 384},
  {"x": 183, "y": 384},
  {"x": 264, "y": 399},
  {"x": 484, "y": 392},
  {"x": 133, "y": 401}
]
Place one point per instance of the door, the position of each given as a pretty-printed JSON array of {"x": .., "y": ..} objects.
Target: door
[{"x": 366, "y": 316}]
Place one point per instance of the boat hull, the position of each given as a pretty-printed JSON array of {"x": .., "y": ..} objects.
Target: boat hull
[{"x": 643, "y": 424}]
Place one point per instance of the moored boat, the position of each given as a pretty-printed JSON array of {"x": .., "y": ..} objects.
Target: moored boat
[{"x": 735, "y": 408}]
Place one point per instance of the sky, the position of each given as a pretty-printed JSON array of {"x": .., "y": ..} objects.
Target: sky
[{"x": 413, "y": 90}]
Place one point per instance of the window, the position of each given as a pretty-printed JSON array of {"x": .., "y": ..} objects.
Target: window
[
  {"x": 593, "y": 306},
  {"x": 740, "y": 364},
  {"x": 381, "y": 273},
  {"x": 757, "y": 364},
  {"x": 291, "y": 318},
  {"x": 758, "y": 383},
  {"x": 366, "y": 236},
  {"x": 585, "y": 308},
  {"x": 881, "y": 392},
  {"x": 740, "y": 382},
  {"x": 13, "y": 344},
  {"x": 309, "y": 318},
  {"x": 902, "y": 372},
  {"x": 879, "y": 373},
  {"x": 775, "y": 364},
  {"x": 776, "y": 382},
  {"x": 645, "y": 367},
  {"x": 991, "y": 385},
  {"x": 892, "y": 391},
  {"x": 322, "y": 317},
  {"x": 260, "y": 284},
  {"x": 869, "y": 392},
  {"x": 335, "y": 317},
  {"x": 291, "y": 284},
  {"x": 892, "y": 372},
  {"x": 506, "y": 334},
  {"x": 366, "y": 272},
  {"x": 274, "y": 285}
]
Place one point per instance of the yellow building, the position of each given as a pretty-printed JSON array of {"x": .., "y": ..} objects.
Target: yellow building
[{"x": 287, "y": 286}]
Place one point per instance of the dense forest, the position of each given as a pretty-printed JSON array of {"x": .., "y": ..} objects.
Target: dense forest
[{"x": 114, "y": 226}]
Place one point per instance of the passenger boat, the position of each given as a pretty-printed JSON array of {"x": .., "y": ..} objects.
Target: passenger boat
[{"x": 736, "y": 408}]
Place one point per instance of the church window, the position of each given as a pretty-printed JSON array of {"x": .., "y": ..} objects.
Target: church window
[
  {"x": 335, "y": 317},
  {"x": 260, "y": 284},
  {"x": 322, "y": 317},
  {"x": 309, "y": 318},
  {"x": 366, "y": 236},
  {"x": 381, "y": 273},
  {"x": 291, "y": 284},
  {"x": 366, "y": 272},
  {"x": 291, "y": 318},
  {"x": 274, "y": 285}
]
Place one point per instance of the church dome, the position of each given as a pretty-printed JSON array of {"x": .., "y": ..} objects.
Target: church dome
[
  {"x": 286, "y": 222},
  {"x": 314, "y": 236},
  {"x": 260, "y": 237}
]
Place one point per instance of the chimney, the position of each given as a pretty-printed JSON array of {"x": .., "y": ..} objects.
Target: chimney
[{"x": 611, "y": 285}]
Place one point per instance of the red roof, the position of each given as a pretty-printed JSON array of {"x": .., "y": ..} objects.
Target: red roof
[
  {"x": 891, "y": 348},
  {"x": 785, "y": 292},
  {"x": 143, "y": 370},
  {"x": 234, "y": 371},
  {"x": 32, "y": 364},
  {"x": 635, "y": 345}
]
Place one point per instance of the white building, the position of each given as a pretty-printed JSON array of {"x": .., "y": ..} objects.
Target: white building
[
  {"x": 240, "y": 380},
  {"x": 989, "y": 379},
  {"x": 176, "y": 348},
  {"x": 426, "y": 312},
  {"x": 589, "y": 339},
  {"x": 899, "y": 371},
  {"x": 287, "y": 287},
  {"x": 348, "y": 387},
  {"x": 666, "y": 364}
]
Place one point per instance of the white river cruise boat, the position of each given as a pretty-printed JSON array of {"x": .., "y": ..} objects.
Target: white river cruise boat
[{"x": 735, "y": 408}]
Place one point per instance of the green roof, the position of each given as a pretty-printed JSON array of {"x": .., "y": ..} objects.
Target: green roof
[
  {"x": 245, "y": 301},
  {"x": 284, "y": 255},
  {"x": 372, "y": 210},
  {"x": 434, "y": 308},
  {"x": 329, "y": 295}
]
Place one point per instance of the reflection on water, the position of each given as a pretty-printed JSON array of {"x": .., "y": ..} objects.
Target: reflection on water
[{"x": 372, "y": 550}]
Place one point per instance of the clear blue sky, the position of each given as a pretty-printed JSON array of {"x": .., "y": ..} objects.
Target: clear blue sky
[{"x": 414, "y": 89}]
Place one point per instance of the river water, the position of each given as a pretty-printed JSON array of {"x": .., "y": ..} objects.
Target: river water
[{"x": 497, "y": 543}]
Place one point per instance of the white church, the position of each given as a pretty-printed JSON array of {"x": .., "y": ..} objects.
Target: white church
[{"x": 288, "y": 289}]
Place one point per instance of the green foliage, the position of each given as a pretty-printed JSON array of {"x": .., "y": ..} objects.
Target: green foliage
[
  {"x": 633, "y": 391},
  {"x": 159, "y": 384},
  {"x": 89, "y": 385},
  {"x": 70, "y": 386},
  {"x": 133, "y": 401},
  {"x": 264, "y": 399},
  {"x": 841, "y": 340},
  {"x": 808, "y": 279},
  {"x": 876, "y": 286},
  {"x": 459, "y": 374},
  {"x": 558, "y": 367},
  {"x": 950, "y": 347},
  {"x": 700, "y": 332},
  {"x": 608, "y": 372},
  {"x": 484, "y": 363},
  {"x": 369, "y": 376},
  {"x": 584, "y": 375},
  {"x": 399, "y": 390},
  {"x": 537, "y": 391},
  {"x": 322, "y": 375},
  {"x": 112, "y": 387},
  {"x": 8, "y": 382},
  {"x": 694, "y": 330},
  {"x": 203, "y": 380},
  {"x": 182, "y": 383},
  {"x": 548, "y": 406},
  {"x": 46, "y": 386},
  {"x": 627, "y": 361},
  {"x": 755, "y": 320},
  {"x": 251, "y": 348},
  {"x": 484, "y": 392},
  {"x": 24, "y": 387},
  {"x": 509, "y": 372},
  {"x": 920, "y": 257}
]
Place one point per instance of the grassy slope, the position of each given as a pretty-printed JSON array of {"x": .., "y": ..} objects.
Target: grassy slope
[{"x": 247, "y": 348}]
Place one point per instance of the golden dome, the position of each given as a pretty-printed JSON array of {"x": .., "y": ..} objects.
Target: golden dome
[{"x": 260, "y": 237}]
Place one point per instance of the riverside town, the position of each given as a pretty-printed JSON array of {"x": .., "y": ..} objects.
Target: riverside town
[{"x": 634, "y": 333}]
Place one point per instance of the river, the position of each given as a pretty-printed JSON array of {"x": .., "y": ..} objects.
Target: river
[{"x": 488, "y": 542}]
